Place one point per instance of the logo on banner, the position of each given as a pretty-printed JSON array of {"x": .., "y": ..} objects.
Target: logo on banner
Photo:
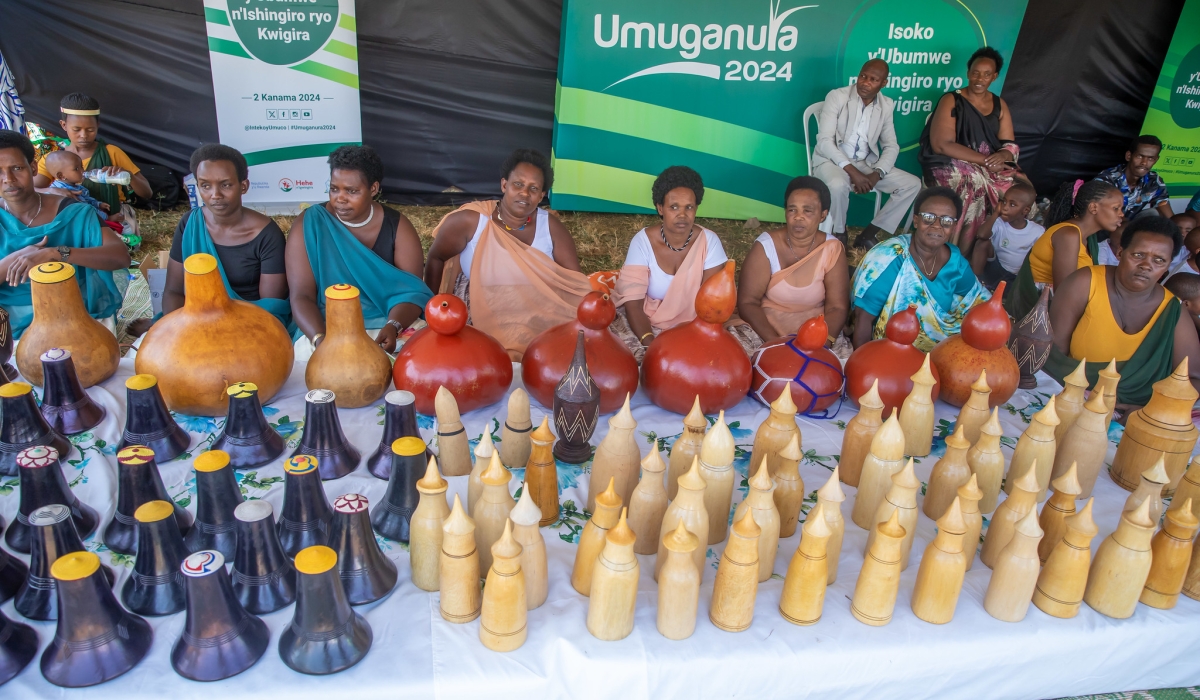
[
  {"x": 279, "y": 34},
  {"x": 286, "y": 185}
]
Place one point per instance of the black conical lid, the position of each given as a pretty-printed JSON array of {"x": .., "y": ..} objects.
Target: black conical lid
[
  {"x": 148, "y": 422},
  {"x": 65, "y": 405},
  {"x": 399, "y": 420},
  {"x": 325, "y": 635},
  {"x": 263, "y": 577},
  {"x": 304, "y": 519},
  {"x": 220, "y": 639},
  {"x": 156, "y": 586},
  {"x": 217, "y": 495},
  {"x": 323, "y": 437},
  {"x": 22, "y": 425},
  {"x": 366, "y": 573},
  {"x": 247, "y": 436},
  {"x": 138, "y": 482},
  {"x": 43, "y": 484}
]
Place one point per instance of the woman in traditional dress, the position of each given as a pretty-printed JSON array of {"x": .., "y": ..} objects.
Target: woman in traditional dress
[
  {"x": 1105, "y": 312},
  {"x": 920, "y": 269},
  {"x": 794, "y": 273},
  {"x": 663, "y": 269},
  {"x": 357, "y": 241},
  {"x": 968, "y": 145},
  {"x": 37, "y": 228},
  {"x": 514, "y": 264}
]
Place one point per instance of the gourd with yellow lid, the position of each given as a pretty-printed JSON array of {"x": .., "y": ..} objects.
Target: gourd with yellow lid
[
  {"x": 213, "y": 341},
  {"x": 60, "y": 320},
  {"x": 347, "y": 361}
]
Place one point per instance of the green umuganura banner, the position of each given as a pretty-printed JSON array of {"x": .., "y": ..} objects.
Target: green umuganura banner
[
  {"x": 1174, "y": 114},
  {"x": 722, "y": 86}
]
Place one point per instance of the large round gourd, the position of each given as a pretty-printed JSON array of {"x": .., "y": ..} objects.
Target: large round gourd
[
  {"x": 980, "y": 345},
  {"x": 892, "y": 360},
  {"x": 212, "y": 341},
  {"x": 348, "y": 362},
  {"x": 60, "y": 320}
]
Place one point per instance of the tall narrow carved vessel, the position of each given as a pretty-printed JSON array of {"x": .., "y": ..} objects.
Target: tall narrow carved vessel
[
  {"x": 591, "y": 540},
  {"x": 1153, "y": 481},
  {"x": 789, "y": 487},
  {"x": 53, "y": 536},
  {"x": 399, "y": 420},
  {"x": 1121, "y": 565},
  {"x": 1056, "y": 511},
  {"x": 541, "y": 473},
  {"x": 1068, "y": 404},
  {"x": 969, "y": 496},
  {"x": 1085, "y": 445},
  {"x": 217, "y": 495},
  {"x": 41, "y": 484},
  {"x": 263, "y": 576},
  {"x": 760, "y": 502},
  {"x": 686, "y": 447},
  {"x": 22, "y": 427},
  {"x": 392, "y": 517},
  {"x": 830, "y": 498},
  {"x": 138, "y": 482},
  {"x": 940, "y": 576},
  {"x": 576, "y": 409},
  {"x": 879, "y": 579},
  {"x": 212, "y": 341},
  {"x": 367, "y": 574},
  {"x": 425, "y": 529},
  {"x": 803, "y": 598},
  {"x": 1010, "y": 590},
  {"x": 1022, "y": 502},
  {"x": 678, "y": 585},
  {"x": 60, "y": 320},
  {"x": 949, "y": 473},
  {"x": 220, "y": 639},
  {"x": 324, "y": 438},
  {"x": 1171, "y": 550},
  {"x": 1106, "y": 385},
  {"x": 860, "y": 432},
  {"x": 148, "y": 422},
  {"x": 454, "y": 452},
  {"x": 1035, "y": 446},
  {"x": 976, "y": 411},
  {"x": 1189, "y": 486},
  {"x": 326, "y": 635},
  {"x": 503, "y": 622},
  {"x": 525, "y": 517},
  {"x": 156, "y": 585},
  {"x": 247, "y": 437},
  {"x": 515, "y": 446},
  {"x": 1059, "y": 590},
  {"x": 775, "y": 432},
  {"x": 901, "y": 498},
  {"x": 491, "y": 512},
  {"x": 987, "y": 462},
  {"x": 305, "y": 516},
  {"x": 716, "y": 466},
  {"x": 885, "y": 459},
  {"x": 66, "y": 406},
  {"x": 916, "y": 414},
  {"x": 614, "y": 585},
  {"x": 688, "y": 508},
  {"x": 648, "y": 503},
  {"x": 458, "y": 571},
  {"x": 1031, "y": 340},
  {"x": 1163, "y": 425},
  {"x": 617, "y": 457},
  {"x": 348, "y": 362},
  {"x": 483, "y": 458},
  {"x": 736, "y": 585}
]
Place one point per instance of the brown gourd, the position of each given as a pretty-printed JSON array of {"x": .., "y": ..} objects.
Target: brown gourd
[
  {"x": 902, "y": 499},
  {"x": 1035, "y": 446},
  {"x": 60, "y": 320},
  {"x": 940, "y": 576},
  {"x": 617, "y": 457},
  {"x": 678, "y": 585},
  {"x": 454, "y": 452},
  {"x": 789, "y": 487},
  {"x": 492, "y": 510},
  {"x": 859, "y": 434},
  {"x": 775, "y": 432},
  {"x": 613, "y": 598},
  {"x": 504, "y": 614},
  {"x": 1056, "y": 511},
  {"x": 1121, "y": 565},
  {"x": 515, "y": 445},
  {"x": 885, "y": 459},
  {"x": 1060, "y": 586},
  {"x": 348, "y": 362},
  {"x": 687, "y": 508},
  {"x": 916, "y": 413},
  {"x": 976, "y": 411},
  {"x": 987, "y": 462},
  {"x": 948, "y": 474},
  {"x": 760, "y": 502},
  {"x": 1171, "y": 550},
  {"x": 686, "y": 446},
  {"x": 1164, "y": 425},
  {"x": 879, "y": 579},
  {"x": 716, "y": 466},
  {"x": 525, "y": 516},
  {"x": 1004, "y": 521},
  {"x": 1153, "y": 481},
  {"x": 830, "y": 498},
  {"x": 1068, "y": 404},
  {"x": 483, "y": 457},
  {"x": 1014, "y": 577},
  {"x": 1084, "y": 445},
  {"x": 541, "y": 473},
  {"x": 803, "y": 598},
  {"x": 736, "y": 584},
  {"x": 969, "y": 496},
  {"x": 425, "y": 528},
  {"x": 648, "y": 503},
  {"x": 592, "y": 539},
  {"x": 458, "y": 574}
]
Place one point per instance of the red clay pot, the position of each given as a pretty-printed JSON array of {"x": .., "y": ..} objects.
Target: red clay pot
[
  {"x": 802, "y": 362},
  {"x": 892, "y": 360},
  {"x": 980, "y": 345}
]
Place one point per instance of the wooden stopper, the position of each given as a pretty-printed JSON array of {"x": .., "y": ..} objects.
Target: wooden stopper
[
  {"x": 458, "y": 575},
  {"x": 830, "y": 496},
  {"x": 969, "y": 496},
  {"x": 879, "y": 579},
  {"x": 789, "y": 487},
  {"x": 687, "y": 508},
  {"x": 613, "y": 596},
  {"x": 976, "y": 411},
  {"x": 1106, "y": 386},
  {"x": 525, "y": 517},
  {"x": 885, "y": 459},
  {"x": 492, "y": 509},
  {"x": 648, "y": 503},
  {"x": 1015, "y": 574},
  {"x": 541, "y": 473},
  {"x": 1171, "y": 550},
  {"x": 1153, "y": 481},
  {"x": 1085, "y": 444},
  {"x": 593, "y": 537},
  {"x": 678, "y": 585},
  {"x": 860, "y": 433},
  {"x": 1121, "y": 565},
  {"x": 736, "y": 585},
  {"x": 618, "y": 457},
  {"x": 716, "y": 466},
  {"x": 1060, "y": 586},
  {"x": 483, "y": 457},
  {"x": 502, "y": 622},
  {"x": 515, "y": 445},
  {"x": 1004, "y": 522},
  {"x": 1069, "y": 402},
  {"x": 987, "y": 462},
  {"x": 760, "y": 502},
  {"x": 948, "y": 474},
  {"x": 425, "y": 528},
  {"x": 902, "y": 499},
  {"x": 686, "y": 447},
  {"x": 1189, "y": 486},
  {"x": 1055, "y": 512},
  {"x": 940, "y": 576},
  {"x": 776, "y": 432},
  {"x": 803, "y": 598},
  {"x": 916, "y": 414},
  {"x": 454, "y": 452},
  {"x": 1035, "y": 446}
]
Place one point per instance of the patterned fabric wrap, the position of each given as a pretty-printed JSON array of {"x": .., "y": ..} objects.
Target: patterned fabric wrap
[
  {"x": 979, "y": 188},
  {"x": 12, "y": 112}
]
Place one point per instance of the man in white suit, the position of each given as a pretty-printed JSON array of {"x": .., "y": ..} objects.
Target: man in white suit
[{"x": 856, "y": 151}]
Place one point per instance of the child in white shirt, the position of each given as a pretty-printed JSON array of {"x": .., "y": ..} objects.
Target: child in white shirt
[{"x": 1005, "y": 237}]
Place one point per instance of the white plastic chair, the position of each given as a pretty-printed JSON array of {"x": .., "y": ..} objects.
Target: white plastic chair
[{"x": 811, "y": 113}]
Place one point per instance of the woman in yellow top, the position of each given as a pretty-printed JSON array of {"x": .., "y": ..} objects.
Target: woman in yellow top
[
  {"x": 1101, "y": 313},
  {"x": 1079, "y": 211}
]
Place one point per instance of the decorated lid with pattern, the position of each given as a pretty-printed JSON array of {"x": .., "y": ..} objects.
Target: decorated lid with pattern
[
  {"x": 300, "y": 464},
  {"x": 135, "y": 455},
  {"x": 56, "y": 355},
  {"x": 37, "y": 457},
  {"x": 202, "y": 563},
  {"x": 319, "y": 396},
  {"x": 351, "y": 503},
  {"x": 51, "y": 272},
  {"x": 242, "y": 390}
]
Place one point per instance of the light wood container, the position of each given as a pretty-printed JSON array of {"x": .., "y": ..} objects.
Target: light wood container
[
  {"x": 760, "y": 502},
  {"x": 686, "y": 446},
  {"x": 1106, "y": 386},
  {"x": 425, "y": 528},
  {"x": 1004, "y": 521},
  {"x": 458, "y": 575},
  {"x": 1035, "y": 446},
  {"x": 968, "y": 496},
  {"x": 948, "y": 474},
  {"x": 1189, "y": 486},
  {"x": 483, "y": 457},
  {"x": 736, "y": 585},
  {"x": 1055, "y": 512},
  {"x": 987, "y": 462},
  {"x": 1085, "y": 445},
  {"x": 593, "y": 537},
  {"x": 879, "y": 580},
  {"x": 1171, "y": 550},
  {"x": 775, "y": 432},
  {"x": 1015, "y": 575},
  {"x": 1163, "y": 425},
  {"x": 976, "y": 411},
  {"x": 1121, "y": 565},
  {"x": 493, "y": 508},
  {"x": 515, "y": 444},
  {"x": 678, "y": 585},
  {"x": 503, "y": 622},
  {"x": 617, "y": 458},
  {"x": 541, "y": 473},
  {"x": 1191, "y": 582},
  {"x": 916, "y": 413},
  {"x": 789, "y": 487},
  {"x": 885, "y": 459},
  {"x": 348, "y": 362},
  {"x": 1068, "y": 404},
  {"x": 614, "y": 585},
  {"x": 648, "y": 503},
  {"x": 940, "y": 576},
  {"x": 60, "y": 320},
  {"x": 525, "y": 516},
  {"x": 687, "y": 508},
  {"x": 454, "y": 452},
  {"x": 902, "y": 499},
  {"x": 859, "y": 433},
  {"x": 1153, "y": 481},
  {"x": 830, "y": 498},
  {"x": 803, "y": 598},
  {"x": 1060, "y": 586},
  {"x": 716, "y": 466}
]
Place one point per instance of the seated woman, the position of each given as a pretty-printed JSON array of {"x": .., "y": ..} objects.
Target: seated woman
[
  {"x": 920, "y": 269},
  {"x": 357, "y": 241},
  {"x": 37, "y": 228},
  {"x": 1079, "y": 212},
  {"x": 1121, "y": 312},
  {"x": 794, "y": 273},
  {"x": 664, "y": 269},
  {"x": 514, "y": 264}
]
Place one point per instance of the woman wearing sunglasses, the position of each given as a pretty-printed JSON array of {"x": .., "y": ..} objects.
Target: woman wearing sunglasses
[{"x": 920, "y": 269}]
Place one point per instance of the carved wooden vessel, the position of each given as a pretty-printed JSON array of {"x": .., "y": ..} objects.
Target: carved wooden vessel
[
  {"x": 860, "y": 431},
  {"x": 760, "y": 502},
  {"x": 803, "y": 598},
  {"x": 940, "y": 576},
  {"x": 591, "y": 540},
  {"x": 688, "y": 508},
  {"x": 949, "y": 473},
  {"x": 648, "y": 503},
  {"x": 885, "y": 459},
  {"x": 1163, "y": 425},
  {"x": 613, "y": 594},
  {"x": 678, "y": 585},
  {"x": 1014, "y": 577},
  {"x": 736, "y": 584},
  {"x": 618, "y": 457},
  {"x": 686, "y": 447},
  {"x": 1122, "y": 563},
  {"x": 879, "y": 579},
  {"x": 1060, "y": 585}
]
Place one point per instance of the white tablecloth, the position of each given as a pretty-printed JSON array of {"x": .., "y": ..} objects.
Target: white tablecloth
[{"x": 418, "y": 654}]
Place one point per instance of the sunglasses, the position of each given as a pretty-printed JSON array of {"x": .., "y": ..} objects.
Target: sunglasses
[{"x": 947, "y": 222}]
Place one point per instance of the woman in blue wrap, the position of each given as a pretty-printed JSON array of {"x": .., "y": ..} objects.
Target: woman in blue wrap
[
  {"x": 357, "y": 241},
  {"x": 36, "y": 227}
]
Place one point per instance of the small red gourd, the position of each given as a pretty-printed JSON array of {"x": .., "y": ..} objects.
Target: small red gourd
[
  {"x": 700, "y": 357},
  {"x": 471, "y": 364},
  {"x": 611, "y": 364},
  {"x": 980, "y": 345},
  {"x": 802, "y": 362},
  {"x": 892, "y": 360}
]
